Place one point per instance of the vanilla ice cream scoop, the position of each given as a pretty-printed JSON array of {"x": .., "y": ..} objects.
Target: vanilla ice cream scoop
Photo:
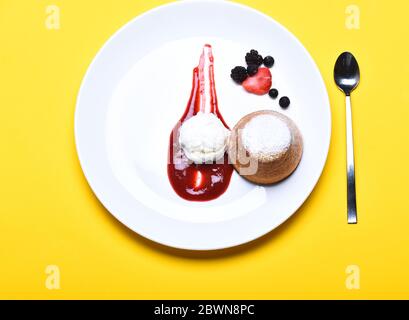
[{"x": 203, "y": 138}]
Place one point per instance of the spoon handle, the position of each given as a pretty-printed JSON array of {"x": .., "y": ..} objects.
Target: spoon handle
[{"x": 351, "y": 195}]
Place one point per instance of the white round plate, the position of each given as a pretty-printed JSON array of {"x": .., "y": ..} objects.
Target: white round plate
[{"x": 137, "y": 88}]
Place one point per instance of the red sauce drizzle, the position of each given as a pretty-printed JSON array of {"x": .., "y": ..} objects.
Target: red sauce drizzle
[{"x": 198, "y": 182}]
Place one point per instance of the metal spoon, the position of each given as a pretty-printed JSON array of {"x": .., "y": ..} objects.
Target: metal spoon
[{"x": 346, "y": 75}]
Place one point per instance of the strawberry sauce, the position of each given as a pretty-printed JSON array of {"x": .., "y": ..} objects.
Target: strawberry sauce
[{"x": 198, "y": 182}]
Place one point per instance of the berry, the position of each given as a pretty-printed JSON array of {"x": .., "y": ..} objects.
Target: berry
[
  {"x": 260, "y": 83},
  {"x": 284, "y": 102},
  {"x": 239, "y": 74},
  {"x": 273, "y": 93},
  {"x": 268, "y": 61},
  {"x": 252, "y": 70},
  {"x": 253, "y": 58}
]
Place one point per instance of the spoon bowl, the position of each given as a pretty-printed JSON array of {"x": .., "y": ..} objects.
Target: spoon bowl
[{"x": 346, "y": 73}]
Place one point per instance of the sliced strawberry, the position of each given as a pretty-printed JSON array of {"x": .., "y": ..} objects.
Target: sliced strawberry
[{"x": 260, "y": 83}]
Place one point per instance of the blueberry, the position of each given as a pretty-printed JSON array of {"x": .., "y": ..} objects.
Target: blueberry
[
  {"x": 284, "y": 102},
  {"x": 268, "y": 61},
  {"x": 273, "y": 93}
]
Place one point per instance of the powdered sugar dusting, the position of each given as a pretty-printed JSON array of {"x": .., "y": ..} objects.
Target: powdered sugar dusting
[{"x": 266, "y": 136}]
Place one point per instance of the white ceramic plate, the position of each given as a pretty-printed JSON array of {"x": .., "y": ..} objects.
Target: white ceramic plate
[{"x": 137, "y": 88}]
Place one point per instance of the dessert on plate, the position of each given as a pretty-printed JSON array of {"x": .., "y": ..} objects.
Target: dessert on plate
[
  {"x": 203, "y": 138},
  {"x": 265, "y": 147},
  {"x": 198, "y": 166}
]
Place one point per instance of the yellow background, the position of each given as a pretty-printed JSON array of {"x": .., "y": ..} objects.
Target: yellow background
[{"x": 49, "y": 216}]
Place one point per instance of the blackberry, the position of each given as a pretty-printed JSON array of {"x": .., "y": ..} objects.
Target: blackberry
[
  {"x": 252, "y": 70},
  {"x": 284, "y": 102},
  {"x": 273, "y": 93},
  {"x": 268, "y": 61},
  {"x": 239, "y": 74},
  {"x": 253, "y": 58}
]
